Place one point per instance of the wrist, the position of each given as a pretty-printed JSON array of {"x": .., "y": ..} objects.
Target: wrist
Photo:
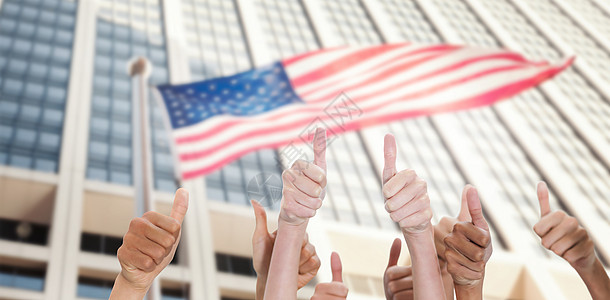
[
  {"x": 469, "y": 291},
  {"x": 123, "y": 289}
]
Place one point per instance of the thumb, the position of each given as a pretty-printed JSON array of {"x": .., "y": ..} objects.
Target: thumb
[
  {"x": 389, "y": 156},
  {"x": 543, "y": 198},
  {"x": 180, "y": 206},
  {"x": 336, "y": 267},
  {"x": 464, "y": 215},
  {"x": 394, "y": 253},
  {"x": 261, "y": 218},
  {"x": 475, "y": 209},
  {"x": 319, "y": 148}
]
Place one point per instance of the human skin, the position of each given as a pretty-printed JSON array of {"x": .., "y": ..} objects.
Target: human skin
[
  {"x": 302, "y": 192},
  {"x": 148, "y": 247},
  {"x": 262, "y": 248},
  {"x": 407, "y": 202},
  {"x": 563, "y": 235},
  {"x": 468, "y": 248},
  {"x": 335, "y": 290}
]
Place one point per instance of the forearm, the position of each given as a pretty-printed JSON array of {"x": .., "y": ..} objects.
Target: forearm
[
  {"x": 427, "y": 282},
  {"x": 123, "y": 291},
  {"x": 469, "y": 292},
  {"x": 597, "y": 281},
  {"x": 261, "y": 282},
  {"x": 282, "y": 281}
]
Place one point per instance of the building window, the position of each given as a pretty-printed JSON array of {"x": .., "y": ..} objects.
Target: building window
[
  {"x": 235, "y": 264},
  {"x": 22, "y": 278},
  {"x": 35, "y": 52},
  {"x": 24, "y": 232}
]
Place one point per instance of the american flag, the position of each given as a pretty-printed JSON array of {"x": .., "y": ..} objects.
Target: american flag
[{"x": 218, "y": 120}]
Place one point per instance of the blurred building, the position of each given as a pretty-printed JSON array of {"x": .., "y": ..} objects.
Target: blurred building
[{"x": 65, "y": 139}]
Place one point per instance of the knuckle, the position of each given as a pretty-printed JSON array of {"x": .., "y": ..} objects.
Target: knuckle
[
  {"x": 486, "y": 239},
  {"x": 168, "y": 241},
  {"x": 479, "y": 255},
  {"x": 148, "y": 264},
  {"x": 136, "y": 224}
]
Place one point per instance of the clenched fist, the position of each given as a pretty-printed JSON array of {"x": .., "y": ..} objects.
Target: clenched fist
[
  {"x": 262, "y": 248},
  {"x": 304, "y": 185},
  {"x": 468, "y": 246},
  {"x": 149, "y": 246},
  {"x": 335, "y": 290},
  {"x": 406, "y": 195}
]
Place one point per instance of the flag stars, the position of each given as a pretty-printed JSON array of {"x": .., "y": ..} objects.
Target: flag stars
[
  {"x": 225, "y": 92},
  {"x": 212, "y": 87},
  {"x": 233, "y": 81},
  {"x": 261, "y": 90}
]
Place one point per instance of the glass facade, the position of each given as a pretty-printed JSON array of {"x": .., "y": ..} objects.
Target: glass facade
[
  {"x": 126, "y": 30},
  {"x": 36, "y": 39}
]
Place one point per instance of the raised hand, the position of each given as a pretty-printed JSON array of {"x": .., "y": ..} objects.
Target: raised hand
[
  {"x": 406, "y": 199},
  {"x": 335, "y": 290},
  {"x": 468, "y": 248},
  {"x": 262, "y": 248},
  {"x": 406, "y": 195},
  {"x": 563, "y": 235},
  {"x": 148, "y": 247},
  {"x": 397, "y": 280},
  {"x": 304, "y": 185}
]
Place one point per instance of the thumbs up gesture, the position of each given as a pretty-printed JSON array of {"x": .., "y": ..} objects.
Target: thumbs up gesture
[
  {"x": 335, "y": 290},
  {"x": 406, "y": 195},
  {"x": 304, "y": 185},
  {"x": 149, "y": 246},
  {"x": 562, "y": 234},
  {"x": 468, "y": 246},
  {"x": 262, "y": 248},
  {"x": 397, "y": 280}
]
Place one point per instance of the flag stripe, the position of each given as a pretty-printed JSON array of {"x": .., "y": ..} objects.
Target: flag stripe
[
  {"x": 207, "y": 130},
  {"x": 218, "y": 120},
  {"x": 485, "y": 98},
  {"x": 249, "y": 134}
]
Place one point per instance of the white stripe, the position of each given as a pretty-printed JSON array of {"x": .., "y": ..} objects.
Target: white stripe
[
  {"x": 320, "y": 59},
  {"x": 379, "y": 59},
  {"x": 460, "y": 91},
  {"x": 435, "y": 64}
]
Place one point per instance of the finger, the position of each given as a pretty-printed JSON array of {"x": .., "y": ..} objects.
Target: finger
[
  {"x": 336, "y": 267},
  {"x": 181, "y": 205},
  {"x": 389, "y": 155},
  {"x": 166, "y": 223},
  {"x": 473, "y": 234},
  {"x": 312, "y": 171},
  {"x": 305, "y": 185},
  {"x": 543, "y": 198},
  {"x": 397, "y": 272},
  {"x": 307, "y": 252},
  {"x": 464, "y": 215},
  {"x": 459, "y": 244},
  {"x": 260, "y": 216},
  {"x": 402, "y": 284},
  {"x": 310, "y": 266},
  {"x": 319, "y": 148},
  {"x": 331, "y": 291},
  {"x": 567, "y": 226},
  {"x": 152, "y": 232},
  {"x": 134, "y": 258},
  {"x": 408, "y": 294},
  {"x": 475, "y": 209},
  {"x": 394, "y": 253},
  {"x": 548, "y": 222},
  {"x": 568, "y": 242},
  {"x": 398, "y": 182},
  {"x": 153, "y": 250}
]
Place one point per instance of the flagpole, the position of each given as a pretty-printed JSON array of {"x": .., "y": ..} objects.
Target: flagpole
[{"x": 139, "y": 69}]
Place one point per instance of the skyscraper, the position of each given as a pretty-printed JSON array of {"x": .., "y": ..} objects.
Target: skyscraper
[{"x": 65, "y": 138}]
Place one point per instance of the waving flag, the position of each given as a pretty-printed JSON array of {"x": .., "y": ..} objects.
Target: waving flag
[{"x": 218, "y": 120}]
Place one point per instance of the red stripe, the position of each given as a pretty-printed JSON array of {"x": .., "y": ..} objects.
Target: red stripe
[
  {"x": 305, "y": 122},
  {"x": 342, "y": 63},
  {"x": 301, "y": 109},
  {"x": 401, "y": 68},
  {"x": 473, "y": 102},
  {"x": 405, "y": 55}
]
